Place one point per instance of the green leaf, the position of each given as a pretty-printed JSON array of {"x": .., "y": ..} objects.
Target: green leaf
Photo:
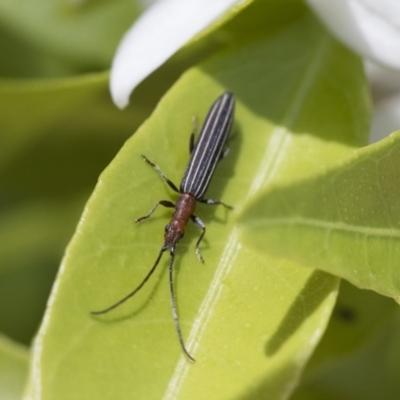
[
  {"x": 62, "y": 37},
  {"x": 70, "y": 124},
  {"x": 363, "y": 363},
  {"x": 13, "y": 369},
  {"x": 33, "y": 237},
  {"x": 250, "y": 321},
  {"x": 344, "y": 220}
]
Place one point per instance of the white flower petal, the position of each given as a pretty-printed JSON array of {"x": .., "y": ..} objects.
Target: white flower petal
[
  {"x": 386, "y": 118},
  {"x": 370, "y": 27},
  {"x": 385, "y": 82},
  {"x": 147, "y": 3},
  {"x": 165, "y": 27}
]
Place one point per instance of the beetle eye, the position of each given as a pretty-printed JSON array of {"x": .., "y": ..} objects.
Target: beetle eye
[
  {"x": 182, "y": 234},
  {"x": 167, "y": 227}
]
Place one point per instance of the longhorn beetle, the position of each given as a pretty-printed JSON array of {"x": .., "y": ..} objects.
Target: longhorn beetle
[{"x": 205, "y": 154}]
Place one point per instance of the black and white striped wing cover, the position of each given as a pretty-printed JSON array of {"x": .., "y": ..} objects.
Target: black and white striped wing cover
[{"x": 209, "y": 146}]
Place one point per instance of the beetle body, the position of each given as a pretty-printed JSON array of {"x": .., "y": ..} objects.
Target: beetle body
[{"x": 205, "y": 154}]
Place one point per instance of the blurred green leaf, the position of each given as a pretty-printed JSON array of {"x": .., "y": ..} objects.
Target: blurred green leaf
[
  {"x": 358, "y": 355},
  {"x": 56, "y": 38},
  {"x": 13, "y": 369},
  {"x": 58, "y": 135},
  {"x": 33, "y": 237},
  {"x": 251, "y": 321},
  {"x": 344, "y": 220}
]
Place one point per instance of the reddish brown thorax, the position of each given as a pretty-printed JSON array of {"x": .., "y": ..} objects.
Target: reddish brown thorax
[{"x": 184, "y": 208}]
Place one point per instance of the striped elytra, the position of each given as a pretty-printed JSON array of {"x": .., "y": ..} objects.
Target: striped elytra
[{"x": 209, "y": 147}]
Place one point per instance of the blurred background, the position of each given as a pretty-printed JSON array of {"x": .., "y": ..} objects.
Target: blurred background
[{"x": 59, "y": 130}]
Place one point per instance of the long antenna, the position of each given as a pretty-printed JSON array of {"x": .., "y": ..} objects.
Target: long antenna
[
  {"x": 173, "y": 305},
  {"x": 129, "y": 295}
]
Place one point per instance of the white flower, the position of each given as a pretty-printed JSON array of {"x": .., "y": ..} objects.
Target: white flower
[
  {"x": 369, "y": 27},
  {"x": 164, "y": 28}
]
